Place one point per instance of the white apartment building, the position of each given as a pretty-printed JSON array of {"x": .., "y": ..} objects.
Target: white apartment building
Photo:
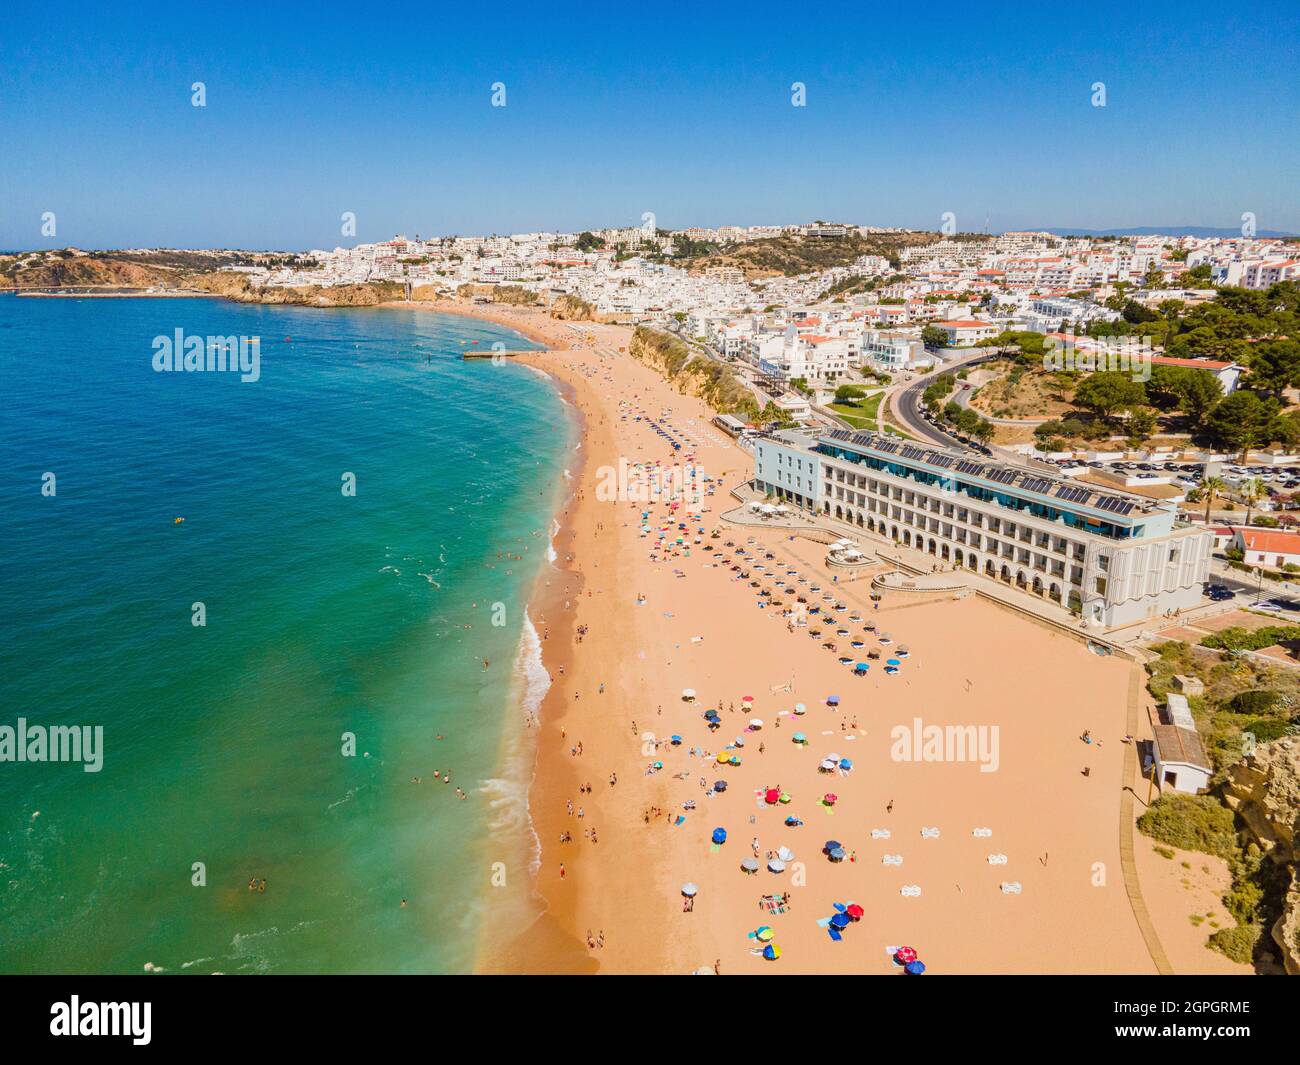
[{"x": 1112, "y": 557}]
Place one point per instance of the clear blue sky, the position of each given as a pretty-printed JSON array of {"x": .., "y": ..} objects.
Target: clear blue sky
[{"x": 615, "y": 109}]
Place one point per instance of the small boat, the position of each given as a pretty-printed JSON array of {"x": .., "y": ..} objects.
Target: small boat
[{"x": 178, "y": 521}]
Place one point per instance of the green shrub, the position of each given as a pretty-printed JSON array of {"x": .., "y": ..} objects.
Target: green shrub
[
  {"x": 1254, "y": 702},
  {"x": 1237, "y": 943},
  {"x": 1191, "y": 823}
]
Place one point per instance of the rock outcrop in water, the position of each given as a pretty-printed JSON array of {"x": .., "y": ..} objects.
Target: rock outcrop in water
[{"x": 1264, "y": 791}]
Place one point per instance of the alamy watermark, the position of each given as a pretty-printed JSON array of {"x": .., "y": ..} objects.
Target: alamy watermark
[
  {"x": 179, "y": 353},
  {"x": 625, "y": 483},
  {"x": 53, "y": 743},
  {"x": 919, "y": 742},
  {"x": 1125, "y": 354}
]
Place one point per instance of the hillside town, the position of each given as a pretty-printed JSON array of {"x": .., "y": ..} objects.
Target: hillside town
[{"x": 816, "y": 327}]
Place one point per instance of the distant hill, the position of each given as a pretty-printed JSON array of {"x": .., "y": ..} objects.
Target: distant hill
[{"x": 1161, "y": 231}]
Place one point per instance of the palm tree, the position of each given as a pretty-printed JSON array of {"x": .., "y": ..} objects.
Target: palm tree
[
  {"x": 1251, "y": 492},
  {"x": 1211, "y": 486}
]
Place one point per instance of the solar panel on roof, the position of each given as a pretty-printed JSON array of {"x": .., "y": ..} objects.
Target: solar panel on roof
[
  {"x": 975, "y": 468},
  {"x": 1036, "y": 484},
  {"x": 941, "y": 460},
  {"x": 1072, "y": 493},
  {"x": 1003, "y": 476}
]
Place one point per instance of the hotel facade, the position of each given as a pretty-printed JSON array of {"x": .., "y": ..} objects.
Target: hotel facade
[{"x": 1110, "y": 557}]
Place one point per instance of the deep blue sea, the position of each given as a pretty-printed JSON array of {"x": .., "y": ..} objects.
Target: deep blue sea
[{"x": 326, "y": 615}]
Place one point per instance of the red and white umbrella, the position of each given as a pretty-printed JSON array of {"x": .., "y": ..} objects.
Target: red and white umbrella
[{"x": 904, "y": 955}]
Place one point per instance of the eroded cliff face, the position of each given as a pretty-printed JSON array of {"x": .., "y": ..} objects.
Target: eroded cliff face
[
  {"x": 236, "y": 287},
  {"x": 1264, "y": 790},
  {"x": 572, "y": 309}
]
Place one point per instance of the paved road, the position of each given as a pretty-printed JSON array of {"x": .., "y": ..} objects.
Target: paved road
[{"x": 910, "y": 403}]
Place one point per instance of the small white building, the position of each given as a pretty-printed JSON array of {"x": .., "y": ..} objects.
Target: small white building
[
  {"x": 967, "y": 332},
  {"x": 1267, "y": 548},
  {"x": 1181, "y": 764}
]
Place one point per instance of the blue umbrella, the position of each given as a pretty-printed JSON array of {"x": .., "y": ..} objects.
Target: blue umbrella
[
  {"x": 676, "y": 740},
  {"x": 914, "y": 968},
  {"x": 845, "y": 764},
  {"x": 893, "y": 662},
  {"x": 833, "y": 700},
  {"x": 840, "y": 920},
  {"x": 831, "y": 844},
  {"x": 719, "y": 835},
  {"x": 862, "y": 665},
  {"x": 719, "y": 785},
  {"x": 837, "y": 854}
]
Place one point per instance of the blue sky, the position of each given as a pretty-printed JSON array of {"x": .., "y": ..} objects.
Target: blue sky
[{"x": 616, "y": 109}]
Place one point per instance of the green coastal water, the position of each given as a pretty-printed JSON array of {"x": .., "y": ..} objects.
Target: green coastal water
[{"x": 326, "y": 614}]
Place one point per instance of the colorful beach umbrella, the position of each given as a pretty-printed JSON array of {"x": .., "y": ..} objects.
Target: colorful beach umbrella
[
  {"x": 904, "y": 955},
  {"x": 764, "y": 934},
  {"x": 830, "y": 798},
  {"x": 914, "y": 968},
  {"x": 855, "y": 911},
  {"x": 719, "y": 835},
  {"x": 840, "y": 920},
  {"x": 771, "y": 952},
  {"x": 771, "y": 795}
]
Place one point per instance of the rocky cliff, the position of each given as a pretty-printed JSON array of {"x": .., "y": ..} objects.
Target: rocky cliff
[
  {"x": 693, "y": 374},
  {"x": 1264, "y": 791}
]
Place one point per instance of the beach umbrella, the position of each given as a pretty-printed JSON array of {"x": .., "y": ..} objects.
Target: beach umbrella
[
  {"x": 799, "y": 737},
  {"x": 892, "y": 662},
  {"x": 771, "y": 952},
  {"x": 756, "y": 723},
  {"x": 799, "y": 708},
  {"x": 838, "y": 854},
  {"x": 840, "y": 920},
  {"x": 747, "y": 699},
  {"x": 830, "y": 798},
  {"x": 827, "y": 765},
  {"x": 688, "y": 694},
  {"x": 739, "y": 741},
  {"x": 676, "y": 740},
  {"x": 658, "y": 765},
  {"x": 833, "y": 700},
  {"x": 785, "y": 797},
  {"x": 776, "y": 865},
  {"x": 719, "y": 835},
  {"x": 723, "y": 757},
  {"x": 719, "y": 785},
  {"x": 846, "y": 764},
  {"x": 785, "y": 854},
  {"x": 690, "y": 890},
  {"x": 904, "y": 955},
  {"x": 862, "y": 666},
  {"x": 750, "y": 865},
  {"x": 764, "y": 934},
  {"x": 711, "y": 715},
  {"x": 914, "y": 968},
  {"x": 855, "y": 911},
  {"x": 830, "y": 845},
  {"x": 771, "y": 795},
  {"x": 833, "y": 756},
  {"x": 733, "y": 760},
  {"x": 792, "y": 821}
]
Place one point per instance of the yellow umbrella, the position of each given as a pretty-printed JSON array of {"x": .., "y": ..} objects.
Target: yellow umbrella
[{"x": 764, "y": 934}]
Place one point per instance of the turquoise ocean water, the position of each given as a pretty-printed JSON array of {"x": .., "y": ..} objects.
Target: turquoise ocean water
[{"x": 326, "y": 614}]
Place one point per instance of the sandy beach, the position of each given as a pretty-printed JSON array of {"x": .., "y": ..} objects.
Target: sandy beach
[{"x": 1003, "y": 857}]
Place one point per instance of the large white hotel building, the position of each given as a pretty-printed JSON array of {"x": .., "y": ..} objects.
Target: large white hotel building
[{"x": 1112, "y": 557}]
